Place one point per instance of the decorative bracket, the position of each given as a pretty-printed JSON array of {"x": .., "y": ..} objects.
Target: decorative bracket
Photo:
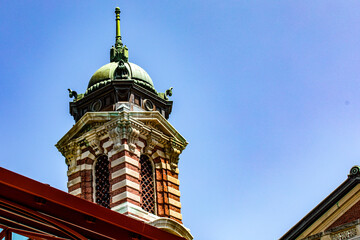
[
  {"x": 124, "y": 130},
  {"x": 151, "y": 142},
  {"x": 173, "y": 151},
  {"x": 132, "y": 136},
  {"x": 94, "y": 143},
  {"x": 114, "y": 135},
  {"x": 71, "y": 152}
]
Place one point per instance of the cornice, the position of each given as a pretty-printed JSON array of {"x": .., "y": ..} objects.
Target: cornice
[
  {"x": 152, "y": 126},
  {"x": 322, "y": 208}
]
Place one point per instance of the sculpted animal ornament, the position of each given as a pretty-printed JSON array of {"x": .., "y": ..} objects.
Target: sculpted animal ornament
[
  {"x": 166, "y": 94},
  {"x": 75, "y": 95},
  {"x": 72, "y": 94}
]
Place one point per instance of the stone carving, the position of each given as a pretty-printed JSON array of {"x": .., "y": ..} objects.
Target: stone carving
[
  {"x": 172, "y": 151},
  {"x": 151, "y": 142},
  {"x": 121, "y": 71},
  {"x": 344, "y": 235},
  {"x": 152, "y": 124},
  {"x": 94, "y": 143},
  {"x": 133, "y": 135},
  {"x": 114, "y": 135},
  {"x": 71, "y": 152},
  {"x": 316, "y": 236},
  {"x": 124, "y": 130},
  {"x": 101, "y": 132}
]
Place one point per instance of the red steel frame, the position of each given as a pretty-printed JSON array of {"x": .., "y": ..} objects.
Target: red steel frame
[{"x": 38, "y": 211}]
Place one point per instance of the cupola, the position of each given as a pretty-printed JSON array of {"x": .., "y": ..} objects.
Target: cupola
[{"x": 118, "y": 84}]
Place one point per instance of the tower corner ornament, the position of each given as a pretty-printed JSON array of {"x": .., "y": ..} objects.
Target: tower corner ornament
[
  {"x": 355, "y": 171},
  {"x": 122, "y": 153}
]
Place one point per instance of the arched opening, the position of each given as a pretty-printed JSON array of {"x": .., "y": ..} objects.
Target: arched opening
[
  {"x": 147, "y": 187},
  {"x": 102, "y": 183}
]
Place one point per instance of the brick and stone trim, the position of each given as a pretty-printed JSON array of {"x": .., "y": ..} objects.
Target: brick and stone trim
[
  {"x": 349, "y": 230},
  {"x": 123, "y": 137},
  {"x": 124, "y": 178}
]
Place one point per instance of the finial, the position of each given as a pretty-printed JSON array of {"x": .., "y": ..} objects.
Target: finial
[
  {"x": 118, "y": 41},
  {"x": 354, "y": 171},
  {"x": 119, "y": 52}
]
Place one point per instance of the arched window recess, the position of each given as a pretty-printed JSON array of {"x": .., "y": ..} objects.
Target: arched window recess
[
  {"x": 102, "y": 183},
  {"x": 147, "y": 185}
]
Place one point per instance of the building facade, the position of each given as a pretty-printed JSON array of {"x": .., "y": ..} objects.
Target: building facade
[
  {"x": 122, "y": 153},
  {"x": 337, "y": 217}
]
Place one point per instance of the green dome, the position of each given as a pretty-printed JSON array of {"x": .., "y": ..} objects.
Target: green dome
[{"x": 106, "y": 74}]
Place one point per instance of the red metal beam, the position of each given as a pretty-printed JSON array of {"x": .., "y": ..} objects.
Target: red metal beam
[
  {"x": 34, "y": 235},
  {"x": 11, "y": 218},
  {"x": 74, "y": 212},
  {"x": 3, "y": 233},
  {"x": 8, "y": 235},
  {"x": 39, "y": 217}
]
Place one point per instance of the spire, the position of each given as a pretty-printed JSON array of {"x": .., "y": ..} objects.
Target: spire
[
  {"x": 118, "y": 41},
  {"x": 119, "y": 52}
]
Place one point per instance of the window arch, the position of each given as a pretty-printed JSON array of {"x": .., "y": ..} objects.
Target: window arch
[
  {"x": 102, "y": 183},
  {"x": 147, "y": 187}
]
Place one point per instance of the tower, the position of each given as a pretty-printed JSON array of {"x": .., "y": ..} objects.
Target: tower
[{"x": 122, "y": 153}]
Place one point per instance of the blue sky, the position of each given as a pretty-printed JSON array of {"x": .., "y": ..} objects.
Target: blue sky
[{"x": 267, "y": 93}]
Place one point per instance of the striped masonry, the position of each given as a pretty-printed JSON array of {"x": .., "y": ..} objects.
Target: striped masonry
[
  {"x": 167, "y": 187},
  {"x": 124, "y": 177}
]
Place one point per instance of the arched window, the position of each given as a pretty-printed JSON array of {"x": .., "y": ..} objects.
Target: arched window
[
  {"x": 147, "y": 185},
  {"x": 102, "y": 188}
]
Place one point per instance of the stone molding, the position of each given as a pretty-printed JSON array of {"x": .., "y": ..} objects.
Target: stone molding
[
  {"x": 134, "y": 211},
  {"x": 119, "y": 126},
  {"x": 347, "y": 234},
  {"x": 343, "y": 232},
  {"x": 173, "y": 227}
]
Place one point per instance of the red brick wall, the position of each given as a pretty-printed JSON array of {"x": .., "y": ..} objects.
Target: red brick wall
[{"x": 350, "y": 215}]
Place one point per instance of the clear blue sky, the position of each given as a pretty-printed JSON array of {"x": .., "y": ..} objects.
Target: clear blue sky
[{"x": 267, "y": 93}]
